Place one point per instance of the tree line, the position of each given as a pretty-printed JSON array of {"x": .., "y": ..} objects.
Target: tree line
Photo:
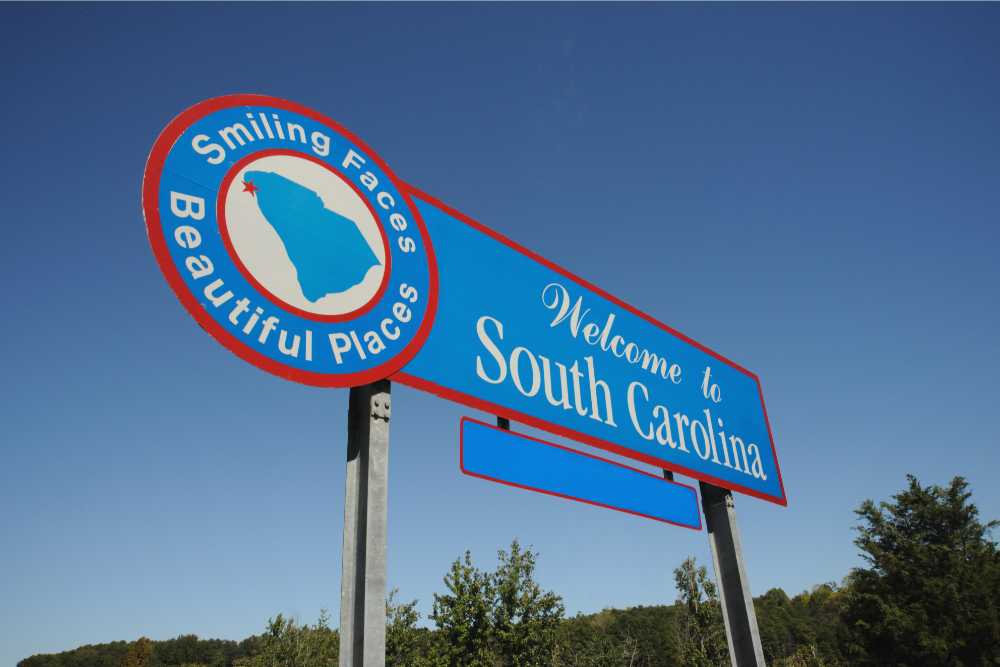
[{"x": 928, "y": 594}]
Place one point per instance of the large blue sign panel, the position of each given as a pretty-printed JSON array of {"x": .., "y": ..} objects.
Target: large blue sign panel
[
  {"x": 293, "y": 243},
  {"x": 520, "y": 337},
  {"x": 510, "y": 458}
]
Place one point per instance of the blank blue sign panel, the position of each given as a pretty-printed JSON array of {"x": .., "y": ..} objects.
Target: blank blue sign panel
[{"x": 517, "y": 460}]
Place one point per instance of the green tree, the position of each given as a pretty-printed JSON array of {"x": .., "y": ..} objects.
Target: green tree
[
  {"x": 499, "y": 618},
  {"x": 806, "y": 655},
  {"x": 524, "y": 617},
  {"x": 804, "y": 628},
  {"x": 406, "y": 645},
  {"x": 701, "y": 633},
  {"x": 929, "y": 595},
  {"x": 595, "y": 641},
  {"x": 400, "y": 630},
  {"x": 462, "y": 615},
  {"x": 140, "y": 653},
  {"x": 288, "y": 644}
]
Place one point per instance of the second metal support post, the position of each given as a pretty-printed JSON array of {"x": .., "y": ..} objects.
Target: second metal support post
[
  {"x": 363, "y": 575},
  {"x": 734, "y": 587}
]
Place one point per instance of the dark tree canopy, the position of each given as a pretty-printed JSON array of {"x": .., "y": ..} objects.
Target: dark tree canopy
[{"x": 931, "y": 589}]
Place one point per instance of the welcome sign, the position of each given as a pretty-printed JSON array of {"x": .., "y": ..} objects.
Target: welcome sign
[
  {"x": 520, "y": 337},
  {"x": 294, "y": 245}
]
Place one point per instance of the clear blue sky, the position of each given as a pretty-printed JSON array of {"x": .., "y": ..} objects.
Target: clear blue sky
[{"x": 812, "y": 190}]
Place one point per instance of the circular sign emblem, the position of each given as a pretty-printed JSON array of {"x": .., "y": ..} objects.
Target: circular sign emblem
[{"x": 290, "y": 241}]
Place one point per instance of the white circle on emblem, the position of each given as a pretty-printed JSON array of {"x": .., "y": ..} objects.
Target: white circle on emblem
[{"x": 304, "y": 235}]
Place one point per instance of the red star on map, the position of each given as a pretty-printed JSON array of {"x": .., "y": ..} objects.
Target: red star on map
[{"x": 248, "y": 186}]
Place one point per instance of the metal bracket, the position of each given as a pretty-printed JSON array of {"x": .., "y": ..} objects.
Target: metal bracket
[{"x": 381, "y": 407}]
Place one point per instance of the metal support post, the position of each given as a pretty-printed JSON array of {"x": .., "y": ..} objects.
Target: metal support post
[
  {"x": 363, "y": 577},
  {"x": 734, "y": 587}
]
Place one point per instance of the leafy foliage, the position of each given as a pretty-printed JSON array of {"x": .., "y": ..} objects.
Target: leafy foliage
[
  {"x": 288, "y": 644},
  {"x": 462, "y": 615},
  {"x": 636, "y": 637},
  {"x": 189, "y": 650},
  {"x": 499, "y": 618},
  {"x": 804, "y": 630},
  {"x": 405, "y": 643},
  {"x": 140, "y": 654},
  {"x": 928, "y": 596},
  {"x": 184, "y": 650},
  {"x": 700, "y": 630},
  {"x": 524, "y": 617},
  {"x": 931, "y": 592}
]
